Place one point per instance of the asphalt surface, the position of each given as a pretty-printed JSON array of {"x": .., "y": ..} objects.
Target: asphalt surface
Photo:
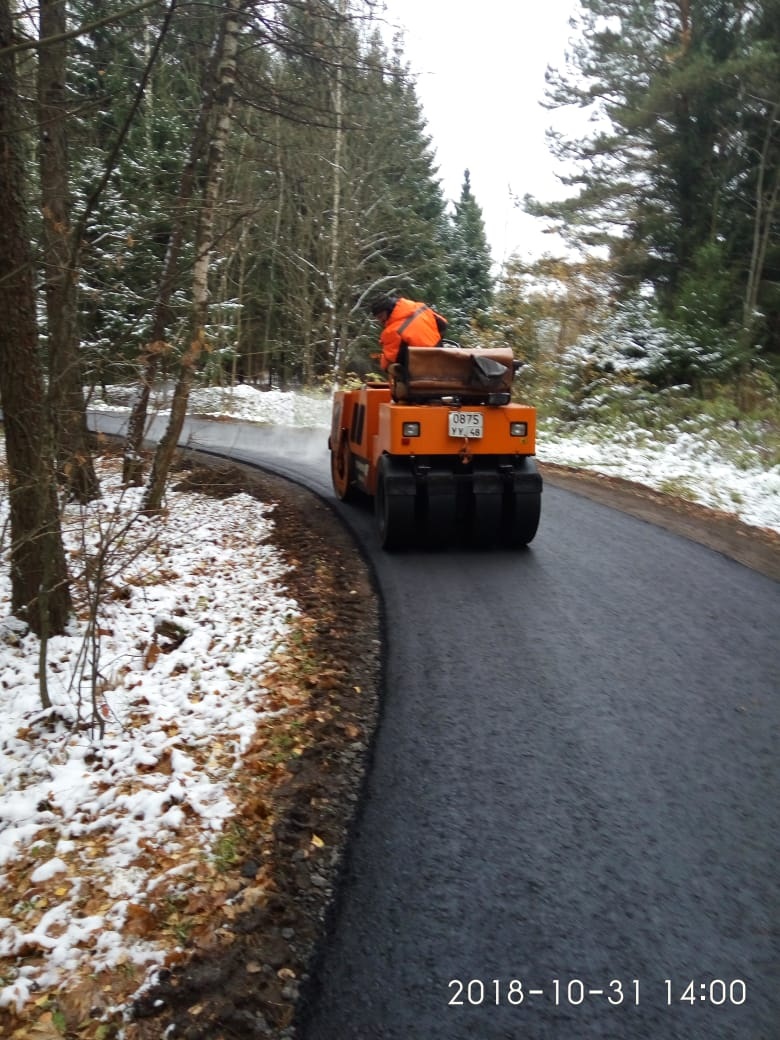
[{"x": 570, "y": 827}]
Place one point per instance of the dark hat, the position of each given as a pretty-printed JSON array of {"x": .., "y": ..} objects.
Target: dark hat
[{"x": 385, "y": 302}]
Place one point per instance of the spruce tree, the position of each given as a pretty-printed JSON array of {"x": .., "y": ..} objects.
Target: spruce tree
[
  {"x": 390, "y": 220},
  {"x": 470, "y": 282},
  {"x": 130, "y": 225}
]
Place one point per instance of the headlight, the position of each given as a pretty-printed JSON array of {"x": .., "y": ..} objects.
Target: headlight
[
  {"x": 518, "y": 429},
  {"x": 410, "y": 429}
]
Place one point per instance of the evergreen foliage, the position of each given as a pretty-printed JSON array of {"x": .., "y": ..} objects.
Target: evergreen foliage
[
  {"x": 682, "y": 170},
  {"x": 330, "y": 189},
  {"x": 334, "y": 241},
  {"x": 470, "y": 282},
  {"x": 330, "y": 192},
  {"x": 130, "y": 225}
]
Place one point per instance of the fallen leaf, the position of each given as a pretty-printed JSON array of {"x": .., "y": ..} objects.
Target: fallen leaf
[
  {"x": 44, "y": 1029},
  {"x": 151, "y": 655}
]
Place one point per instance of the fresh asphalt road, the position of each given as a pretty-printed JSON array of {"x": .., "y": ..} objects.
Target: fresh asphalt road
[{"x": 570, "y": 826}]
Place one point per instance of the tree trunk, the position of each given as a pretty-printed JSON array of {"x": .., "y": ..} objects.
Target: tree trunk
[
  {"x": 60, "y": 261},
  {"x": 224, "y": 91},
  {"x": 334, "y": 288},
  {"x": 267, "y": 353},
  {"x": 39, "y": 582},
  {"x": 766, "y": 204},
  {"x": 132, "y": 472}
]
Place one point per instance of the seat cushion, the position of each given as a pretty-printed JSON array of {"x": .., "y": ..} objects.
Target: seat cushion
[{"x": 453, "y": 370}]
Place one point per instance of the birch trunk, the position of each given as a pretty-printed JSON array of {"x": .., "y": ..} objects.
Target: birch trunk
[
  {"x": 766, "y": 204},
  {"x": 157, "y": 347},
  {"x": 224, "y": 93}
]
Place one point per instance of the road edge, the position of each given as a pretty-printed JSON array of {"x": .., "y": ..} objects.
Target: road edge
[{"x": 755, "y": 547}]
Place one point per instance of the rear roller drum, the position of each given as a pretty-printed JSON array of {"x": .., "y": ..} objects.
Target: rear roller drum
[
  {"x": 486, "y": 509},
  {"x": 440, "y": 510},
  {"x": 395, "y": 508},
  {"x": 486, "y": 521},
  {"x": 521, "y": 517}
]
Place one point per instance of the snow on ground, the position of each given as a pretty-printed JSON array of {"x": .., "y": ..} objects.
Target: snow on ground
[
  {"x": 685, "y": 465},
  {"x": 78, "y": 809},
  {"x": 77, "y": 806},
  {"x": 244, "y": 402},
  {"x": 682, "y": 464}
]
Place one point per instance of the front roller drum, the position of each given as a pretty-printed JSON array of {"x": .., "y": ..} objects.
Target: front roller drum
[
  {"x": 342, "y": 469},
  {"x": 395, "y": 505}
]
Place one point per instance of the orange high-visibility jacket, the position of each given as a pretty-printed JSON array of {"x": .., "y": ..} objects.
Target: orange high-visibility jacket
[{"x": 412, "y": 324}]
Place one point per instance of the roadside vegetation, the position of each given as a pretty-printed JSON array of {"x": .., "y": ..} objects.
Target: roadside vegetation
[
  {"x": 213, "y": 194},
  {"x": 185, "y": 795},
  {"x": 210, "y": 194},
  {"x": 629, "y": 377}
]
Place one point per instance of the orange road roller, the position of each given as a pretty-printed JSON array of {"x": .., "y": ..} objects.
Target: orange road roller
[{"x": 442, "y": 450}]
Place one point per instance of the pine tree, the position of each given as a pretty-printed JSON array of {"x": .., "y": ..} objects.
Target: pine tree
[
  {"x": 672, "y": 176},
  {"x": 39, "y": 582}
]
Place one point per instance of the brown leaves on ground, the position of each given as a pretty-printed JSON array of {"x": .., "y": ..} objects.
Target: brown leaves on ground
[{"x": 247, "y": 921}]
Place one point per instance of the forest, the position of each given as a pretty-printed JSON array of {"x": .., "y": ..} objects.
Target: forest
[{"x": 212, "y": 192}]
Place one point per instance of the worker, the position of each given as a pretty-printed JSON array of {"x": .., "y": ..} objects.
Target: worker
[{"x": 405, "y": 323}]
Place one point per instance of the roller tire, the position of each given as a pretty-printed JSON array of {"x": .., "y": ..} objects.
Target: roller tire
[
  {"x": 486, "y": 519},
  {"x": 342, "y": 471},
  {"x": 440, "y": 518},
  {"x": 395, "y": 514},
  {"x": 521, "y": 518}
]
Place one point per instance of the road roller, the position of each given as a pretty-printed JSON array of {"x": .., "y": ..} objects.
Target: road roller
[{"x": 442, "y": 450}]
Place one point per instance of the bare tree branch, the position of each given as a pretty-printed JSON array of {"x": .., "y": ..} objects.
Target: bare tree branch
[{"x": 35, "y": 44}]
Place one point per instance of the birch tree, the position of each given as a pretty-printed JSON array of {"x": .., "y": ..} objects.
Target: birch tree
[
  {"x": 157, "y": 347},
  {"x": 224, "y": 89},
  {"x": 767, "y": 197}
]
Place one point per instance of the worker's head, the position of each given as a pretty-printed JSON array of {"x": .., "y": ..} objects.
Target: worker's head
[{"x": 382, "y": 306}]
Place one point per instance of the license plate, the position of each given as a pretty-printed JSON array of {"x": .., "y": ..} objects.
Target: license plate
[{"x": 465, "y": 424}]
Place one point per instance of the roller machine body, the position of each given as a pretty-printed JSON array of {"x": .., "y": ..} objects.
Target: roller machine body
[{"x": 441, "y": 449}]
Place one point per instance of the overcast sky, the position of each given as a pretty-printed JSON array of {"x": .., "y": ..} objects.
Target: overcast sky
[{"x": 480, "y": 77}]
